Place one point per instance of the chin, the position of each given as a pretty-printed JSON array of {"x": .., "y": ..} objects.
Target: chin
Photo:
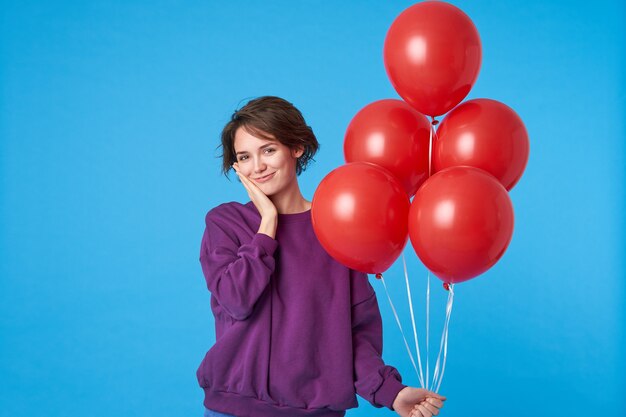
[{"x": 268, "y": 191}]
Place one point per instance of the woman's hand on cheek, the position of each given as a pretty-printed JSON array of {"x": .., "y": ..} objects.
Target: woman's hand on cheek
[{"x": 264, "y": 205}]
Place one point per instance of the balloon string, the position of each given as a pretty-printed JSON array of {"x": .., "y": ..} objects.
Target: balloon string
[
  {"x": 417, "y": 346},
  {"x": 445, "y": 346},
  {"x": 437, "y": 377},
  {"x": 430, "y": 159},
  {"x": 427, "y": 326},
  {"x": 430, "y": 150},
  {"x": 433, "y": 137},
  {"x": 400, "y": 326}
]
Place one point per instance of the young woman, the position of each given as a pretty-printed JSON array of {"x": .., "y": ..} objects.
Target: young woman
[{"x": 297, "y": 333}]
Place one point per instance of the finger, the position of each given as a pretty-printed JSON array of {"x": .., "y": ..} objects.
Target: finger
[
  {"x": 437, "y": 403},
  {"x": 245, "y": 180},
  {"x": 237, "y": 170},
  {"x": 252, "y": 188},
  {"x": 424, "y": 411},
  {"x": 435, "y": 395},
  {"x": 434, "y": 410},
  {"x": 415, "y": 413},
  {"x": 257, "y": 196},
  {"x": 249, "y": 187},
  {"x": 239, "y": 175},
  {"x": 242, "y": 180}
]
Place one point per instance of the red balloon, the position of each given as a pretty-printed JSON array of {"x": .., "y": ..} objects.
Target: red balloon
[
  {"x": 485, "y": 134},
  {"x": 392, "y": 134},
  {"x": 460, "y": 223},
  {"x": 432, "y": 54},
  {"x": 360, "y": 214}
]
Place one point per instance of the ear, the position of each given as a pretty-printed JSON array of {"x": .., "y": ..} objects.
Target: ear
[{"x": 297, "y": 152}]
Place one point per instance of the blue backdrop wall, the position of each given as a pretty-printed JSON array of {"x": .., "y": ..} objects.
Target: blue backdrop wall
[{"x": 110, "y": 118}]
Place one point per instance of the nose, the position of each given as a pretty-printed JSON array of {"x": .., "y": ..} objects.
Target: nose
[{"x": 259, "y": 165}]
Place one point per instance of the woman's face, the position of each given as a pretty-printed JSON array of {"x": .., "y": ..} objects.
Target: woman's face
[{"x": 269, "y": 164}]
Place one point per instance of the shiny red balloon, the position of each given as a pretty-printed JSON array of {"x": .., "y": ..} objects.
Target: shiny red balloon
[
  {"x": 432, "y": 54},
  {"x": 485, "y": 134},
  {"x": 360, "y": 214},
  {"x": 460, "y": 223},
  {"x": 392, "y": 134}
]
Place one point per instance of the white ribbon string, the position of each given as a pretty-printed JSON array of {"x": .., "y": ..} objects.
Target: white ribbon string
[
  {"x": 427, "y": 326},
  {"x": 430, "y": 148},
  {"x": 443, "y": 346},
  {"x": 400, "y": 326},
  {"x": 430, "y": 159},
  {"x": 417, "y": 346}
]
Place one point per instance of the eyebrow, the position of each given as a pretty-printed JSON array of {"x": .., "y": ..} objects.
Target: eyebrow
[{"x": 260, "y": 147}]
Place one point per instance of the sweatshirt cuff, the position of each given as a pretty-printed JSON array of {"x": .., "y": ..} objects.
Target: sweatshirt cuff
[
  {"x": 265, "y": 242},
  {"x": 388, "y": 392}
]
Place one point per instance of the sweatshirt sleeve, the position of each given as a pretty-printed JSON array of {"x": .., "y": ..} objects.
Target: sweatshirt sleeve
[
  {"x": 374, "y": 381},
  {"x": 236, "y": 274}
]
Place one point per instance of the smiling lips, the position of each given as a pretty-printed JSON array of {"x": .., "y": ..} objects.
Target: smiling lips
[{"x": 265, "y": 178}]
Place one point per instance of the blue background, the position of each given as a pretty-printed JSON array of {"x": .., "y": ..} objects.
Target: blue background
[{"x": 110, "y": 116}]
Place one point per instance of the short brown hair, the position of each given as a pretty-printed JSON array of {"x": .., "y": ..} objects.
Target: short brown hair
[{"x": 271, "y": 118}]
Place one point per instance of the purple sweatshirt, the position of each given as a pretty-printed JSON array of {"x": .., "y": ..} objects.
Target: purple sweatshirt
[{"x": 297, "y": 333}]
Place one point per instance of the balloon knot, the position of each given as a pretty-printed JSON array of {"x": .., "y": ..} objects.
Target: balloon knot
[
  {"x": 446, "y": 286},
  {"x": 434, "y": 122},
  {"x": 379, "y": 276}
]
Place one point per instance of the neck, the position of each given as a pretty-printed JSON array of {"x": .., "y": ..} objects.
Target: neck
[{"x": 290, "y": 200}]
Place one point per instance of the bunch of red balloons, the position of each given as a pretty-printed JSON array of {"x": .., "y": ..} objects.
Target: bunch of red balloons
[{"x": 460, "y": 220}]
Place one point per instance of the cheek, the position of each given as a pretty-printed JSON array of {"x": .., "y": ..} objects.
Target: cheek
[
  {"x": 289, "y": 164},
  {"x": 245, "y": 168}
]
